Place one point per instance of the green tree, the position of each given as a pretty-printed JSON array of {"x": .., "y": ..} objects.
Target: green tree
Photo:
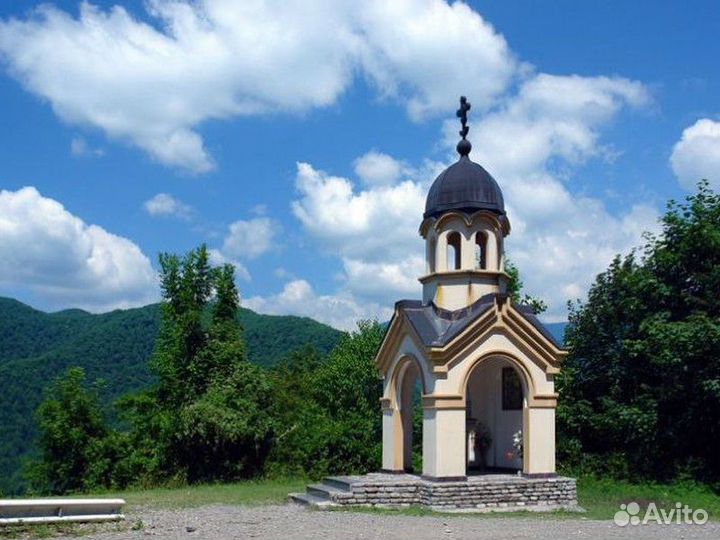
[
  {"x": 72, "y": 432},
  {"x": 213, "y": 415},
  {"x": 148, "y": 430},
  {"x": 225, "y": 432},
  {"x": 349, "y": 390},
  {"x": 328, "y": 417},
  {"x": 183, "y": 365},
  {"x": 224, "y": 345},
  {"x": 302, "y": 425},
  {"x": 187, "y": 286},
  {"x": 641, "y": 388},
  {"x": 515, "y": 289},
  {"x": 207, "y": 418}
]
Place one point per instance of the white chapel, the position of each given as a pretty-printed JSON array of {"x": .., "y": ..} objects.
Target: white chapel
[{"x": 485, "y": 365}]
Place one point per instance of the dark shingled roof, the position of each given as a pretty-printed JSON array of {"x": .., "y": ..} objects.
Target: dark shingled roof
[
  {"x": 464, "y": 186},
  {"x": 530, "y": 316},
  {"x": 437, "y": 327}
]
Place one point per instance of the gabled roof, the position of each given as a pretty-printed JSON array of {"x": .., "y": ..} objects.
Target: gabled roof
[
  {"x": 436, "y": 327},
  {"x": 444, "y": 334}
]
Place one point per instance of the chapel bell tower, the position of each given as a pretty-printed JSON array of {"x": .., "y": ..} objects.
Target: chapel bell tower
[{"x": 464, "y": 228}]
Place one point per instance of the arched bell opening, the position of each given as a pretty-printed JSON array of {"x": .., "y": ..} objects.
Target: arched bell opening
[
  {"x": 454, "y": 251},
  {"x": 495, "y": 406}
]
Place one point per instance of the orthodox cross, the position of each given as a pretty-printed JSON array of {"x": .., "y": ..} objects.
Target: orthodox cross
[{"x": 462, "y": 115}]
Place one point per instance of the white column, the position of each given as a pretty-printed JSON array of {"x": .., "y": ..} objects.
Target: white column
[
  {"x": 444, "y": 445},
  {"x": 391, "y": 439},
  {"x": 539, "y": 435},
  {"x": 492, "y": 251},
  {"x": 468, "y": 252},
  {"x": 441, "y": 264},
  {"x": 431, "y": 253}
]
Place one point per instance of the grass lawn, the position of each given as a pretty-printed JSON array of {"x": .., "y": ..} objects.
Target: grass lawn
[
  {"x": 248, "y": 492},
  {"x": 602, "y": 498}
]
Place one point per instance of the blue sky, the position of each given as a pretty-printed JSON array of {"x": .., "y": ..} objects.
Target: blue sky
[{"x": 299, "y": 143}]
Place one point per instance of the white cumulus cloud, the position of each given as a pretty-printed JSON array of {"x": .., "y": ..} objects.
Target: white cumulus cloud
[
  {"x": 154, "y": 81},
  {"x": 550, "y": 116},
  {"x": 373, "y": 230},
  {"x": 299, "y": 298},
  {"x": 430, "y": 52},
  {"x": 164, "y": 204},
  {"x": 48, "y": 251},
  {"x": 696, "y": 156},
  {"x": 250, "y": 239},
  {"x": 246, "y": 240},
  {"x": 376, "y": 168}
]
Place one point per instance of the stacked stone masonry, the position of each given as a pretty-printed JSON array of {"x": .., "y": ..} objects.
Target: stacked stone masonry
[{"x": 485, "y": 492}]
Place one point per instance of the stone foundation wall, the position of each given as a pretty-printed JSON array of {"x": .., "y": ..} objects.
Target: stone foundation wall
[
  {"x": 380, "y": 493},
  {"x": 550, "y": 492},
  {"x": 484, "y": 492}
]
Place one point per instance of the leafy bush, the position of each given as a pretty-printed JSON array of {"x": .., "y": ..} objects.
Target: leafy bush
[
  {"x": 328, "y": 412},
  {"x": 73, "y": 433},
  {"x": 641, "y": 388}
]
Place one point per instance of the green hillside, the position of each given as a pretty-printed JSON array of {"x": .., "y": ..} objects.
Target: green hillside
[{"x": 35, "y": 347}]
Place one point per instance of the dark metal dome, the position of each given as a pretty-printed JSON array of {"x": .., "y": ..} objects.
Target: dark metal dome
[{"x": 464, "y": 186}]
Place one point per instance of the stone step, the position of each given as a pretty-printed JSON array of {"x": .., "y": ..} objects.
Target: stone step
[
  {"x": 324, "y": 491},
  {"x": 338, "y": 482},
  {"x": 308, "y": 499}
]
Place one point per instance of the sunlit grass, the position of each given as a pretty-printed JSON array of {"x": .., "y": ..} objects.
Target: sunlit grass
[
  {"x": 603, "y": 497},
  {"x": 246, "y": 492}
]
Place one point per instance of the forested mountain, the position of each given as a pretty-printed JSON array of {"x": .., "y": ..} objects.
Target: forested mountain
[
  {"x": 557, "y": 329},
  {"x": 36, "y": 347}
]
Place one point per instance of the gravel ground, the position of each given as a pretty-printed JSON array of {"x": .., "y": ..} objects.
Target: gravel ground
[{"x": 295, "y": 522}]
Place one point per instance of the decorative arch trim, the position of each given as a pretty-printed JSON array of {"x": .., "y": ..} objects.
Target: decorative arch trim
[
  {"x": 499, "y": 222},
  {"x": 397, "y": 377},
  {"x": 398, "y": 329},
  {"x": 517, "y": 363}
]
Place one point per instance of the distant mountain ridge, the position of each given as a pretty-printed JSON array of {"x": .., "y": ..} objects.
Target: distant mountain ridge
[
  {"x": 557, "y": 329},
  {"x": 36, "y": 347}
]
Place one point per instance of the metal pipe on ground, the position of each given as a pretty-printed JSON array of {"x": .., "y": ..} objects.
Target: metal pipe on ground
[{"x": 36, "y": 511}]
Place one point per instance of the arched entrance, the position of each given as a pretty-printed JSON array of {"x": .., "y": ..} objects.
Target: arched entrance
[
  {"x": 409, "y": 391},
  {"x": 495, "y": 402}
]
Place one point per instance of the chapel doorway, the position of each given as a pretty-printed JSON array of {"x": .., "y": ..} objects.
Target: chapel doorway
[{"x": 495, "y": 402}]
